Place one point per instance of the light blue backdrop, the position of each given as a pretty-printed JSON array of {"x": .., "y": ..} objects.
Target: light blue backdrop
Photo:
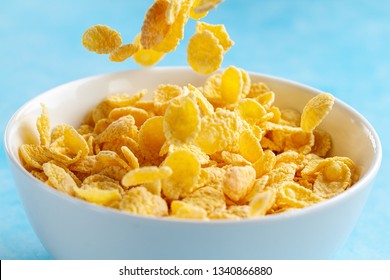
[{"x": 341, "y": 47}]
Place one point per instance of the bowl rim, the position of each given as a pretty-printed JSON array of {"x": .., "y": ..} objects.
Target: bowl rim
[{"x": 364, "y": 181}]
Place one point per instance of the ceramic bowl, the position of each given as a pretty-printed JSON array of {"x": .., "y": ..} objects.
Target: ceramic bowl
[{"x": 70, "y": 228}]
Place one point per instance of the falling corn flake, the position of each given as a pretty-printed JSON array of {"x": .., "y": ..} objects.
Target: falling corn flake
[
  {"x": 219, "y": 31},
  {"x": 101, "y": 39},
  {"x": 155, "y": 26},
  {"x": 204, "y": 53},
  {"x": 124, "y": 52},
  {"x": 146, "y": 57}
]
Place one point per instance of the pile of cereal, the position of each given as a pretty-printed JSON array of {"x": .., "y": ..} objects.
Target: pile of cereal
[
  {"x": 220, "y": 151},
  {"x": 161, "y": 33}
]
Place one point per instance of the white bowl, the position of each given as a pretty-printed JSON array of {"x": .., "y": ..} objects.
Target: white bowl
[{"x": 70, "y": 228}]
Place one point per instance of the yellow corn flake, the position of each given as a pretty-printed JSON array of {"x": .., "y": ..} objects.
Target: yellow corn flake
[
  {"x": 208, "y": 198},
  {"x": 70, "y": 147},
  {"x": 152, "y": 138},
  {"x": 296, "y": 196},
  {"x": 155, "y": 26},
  {"x": 100, "y": 192},
  {"x": 101, "y": 39},
  {"x": 140, "y": 201},
  {"x": 238, "y": 181},
  {"x": 153, "y": 187},
  {"x": 124, "y": 52},
  {"x": 211, "y": 176},
  {"x": 284, "y": 173},
  {"x": 290, "y": 138},
  {"x": 265, "y": 163},
  {"x": 334, "y": 177},
  {"x": 257, "y": 89},
  {"x": 218, "y": 131},
  {"x": 67, "y": 170},
  {"x": 176, "y": 30},
  {"x": 322, "y": 143},
  {"x": 249, "y": 146},
  {"x": 98, "y": 178},
  {"x": 33, "y": 155},
  {"x": 132, "y": 160},
  {"x": 122, "y": 100},
  {"x": 57, "y": 132},
  {"x": 223, "y": 215},
  {"x": 109, "y": 158},
  {"x": 204, "y": 53},
  {"x": 232, "y": 85},
  {"x": 117, "y": 144},
  {"x": 219, "y": 31},
  {"x": 204, "y": 105},
  {"x": 85, "y": 129},
  {"x": 146, "y": 57},
  {"x": 230, "y": 158},
  {"x": 101, "y": 125},
  {"x": 240, "y": 211},
  {"x": 83, "y": 165},
  {"x": 101, "y": 111},
  {"x": 267, "y": 99},
  {"x": 139, "y": 115},
  {"x": 258, "y": 187},
  {"x": 146, "y": 105},
  {"x": 212, "y": 90},
  {"x": 203, "y": 6},
  {"x": 195, "y": 15},
  {"x": 163, "y": 95},
  {"x": 124, "y": 126},
  {"x": 290, "y": 117},
  {"x": 172, "y": 11},
  {"x": 182, "y": 120},
  {"x": 113, "y": 171},
  {"x": 290, "y": 157},
  {"x": 146, "y": 174},
  {"x": 40, "y": 175},
  {"x": 250, "y": 110},
  {"x": 202, "y": 157},
  {"x": 182, "y": 210},
  {"x": 261, "y": 203},
  {"x": 315, "y": 111},
  {"x": 59, "y": 178},
  {"x": 43, "y": 126},
  {"x": 186, "y": 171}
]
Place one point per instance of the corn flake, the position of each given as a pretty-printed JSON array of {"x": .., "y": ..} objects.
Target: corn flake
[
  {"x": 238, "y": 181},
  {"x": 101, "y": 39},
  {"x": 232, "y": 85},
  {"x": 155, "y": 27},
  {"x": 204, "y": 53},
  {"x": 176, "y": 30},
  {"x": 146, "y": 174},
  {"x": 219, "y": 31},
  {"x": 182, "y": 120},
  {"x": 140, "y": 201},
  {"x": 183, "y": 210},
  {"x": 59, "y": 178},
  {"x": 186, "y": 171},
  {"x": 43, "y": 126},
  {"x": 124, "y": 52},
  {"x": 146, "y": 57},
  {"x": 315, "y": 111}
]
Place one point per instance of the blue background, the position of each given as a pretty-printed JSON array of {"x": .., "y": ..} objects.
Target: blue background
[{"x": 342, "y": 47}]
